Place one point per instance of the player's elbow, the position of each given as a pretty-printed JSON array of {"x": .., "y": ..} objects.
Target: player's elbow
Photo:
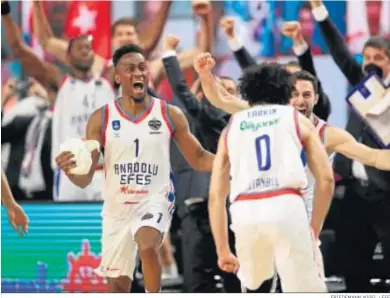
[
  {"x": 18, "y": 48},
  {"x": 326, "y": 182}
]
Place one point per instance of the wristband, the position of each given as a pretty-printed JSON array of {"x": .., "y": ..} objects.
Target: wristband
[{"x": 5, "y": 8}]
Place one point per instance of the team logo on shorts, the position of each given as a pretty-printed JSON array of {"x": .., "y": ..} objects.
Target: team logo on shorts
[
  {"x": 147, "y": 216},
  {"x": 116, "y": 125}
]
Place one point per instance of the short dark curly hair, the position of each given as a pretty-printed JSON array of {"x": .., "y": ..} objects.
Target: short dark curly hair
[
  {"x": 266, "y": 83},
  {"x": 303, "y": 75},
  {"x": 126, "y": 50},
  {"x": 73, "y": 40}
]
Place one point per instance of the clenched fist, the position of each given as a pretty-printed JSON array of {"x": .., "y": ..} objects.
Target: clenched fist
[
  {"x": 315, "y": 3},
  {"x": 228, "y": 263},
  {"x": 170, "y": 42},
  {"x": 227, "y": 24},
  {"x": 201, "y": 7},
  {"x": 204, "y": 63},
  {"x": 293, "y": 30}
]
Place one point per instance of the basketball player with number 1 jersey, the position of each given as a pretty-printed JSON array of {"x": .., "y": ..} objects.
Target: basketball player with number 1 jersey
[
  {"x": 135, "y": 133},
  {"x": 260, "y": 150}
]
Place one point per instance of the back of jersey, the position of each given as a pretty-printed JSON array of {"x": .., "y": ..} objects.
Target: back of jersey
[{"x": 265, "y": 148}]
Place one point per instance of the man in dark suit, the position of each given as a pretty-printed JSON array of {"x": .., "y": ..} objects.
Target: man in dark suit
[
  {"x": 365, "y": 208},
  {"x": 244, "y": 59},
  {"x": 206, "y": 123}
]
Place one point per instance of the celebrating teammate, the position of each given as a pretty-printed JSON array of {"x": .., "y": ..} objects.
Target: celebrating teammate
[
  {"x": 261, "y": 152},
  {"x": 135, "y": 132}
]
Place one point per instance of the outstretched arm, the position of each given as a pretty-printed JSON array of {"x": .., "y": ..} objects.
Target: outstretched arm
[
  {"x": 219, "y": 190},
  {"x": 319, "y": 165},
  {"x": 336, "y": 44},
  {"x": 341, "y": 141},
  {"x": 203, "y": 10},
  {"x": 176, "y": 77},
  {"x": 241, "y": 54},
  {"x": 213, "y": 90},
  {"x": 152, "y": 31},
  {"x": 45, "y": 73},
  {"x": 198, "y": 158},
  {"x": 53, "y": 45},
  {"x": 64, "y": 159},
  {"x": 302, "y": 50}
]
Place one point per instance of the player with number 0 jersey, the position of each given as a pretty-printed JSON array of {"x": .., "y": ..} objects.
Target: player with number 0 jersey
[{"x": 261, "y": 152}]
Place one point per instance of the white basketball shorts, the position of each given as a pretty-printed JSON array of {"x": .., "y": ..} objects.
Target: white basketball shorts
[
  {"x": 119, "y": 249},
  {"x": 275, "y": 232}
]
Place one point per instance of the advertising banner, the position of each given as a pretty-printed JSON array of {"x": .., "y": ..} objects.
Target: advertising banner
[{"x": 59, "y": 253}]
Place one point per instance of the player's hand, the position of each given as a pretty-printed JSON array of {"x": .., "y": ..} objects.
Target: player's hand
[
  {"x": 293, "y": 30},
  {"x": 204, "y": 63},
  {"x": 228, "y": 263},
  {"x": 201, "y": 7},
  {"x": 316, "y": 3},
  {"x": 7, "y": 91},
  {"x": 65, "y": 161},
  {"x": 227, "y": 24},
  {"x": 18, "y": 219},
  {"x": 170, "y": 42}
]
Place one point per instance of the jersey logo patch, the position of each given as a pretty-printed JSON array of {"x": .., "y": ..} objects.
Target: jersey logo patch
[
  {"x": 116, "y": 125},
  {"x": 147, "y": 216},
  {"x": 154, "y": 125}
]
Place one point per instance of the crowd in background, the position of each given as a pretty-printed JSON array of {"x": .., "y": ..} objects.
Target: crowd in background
[{"x": 239, "y": 34}]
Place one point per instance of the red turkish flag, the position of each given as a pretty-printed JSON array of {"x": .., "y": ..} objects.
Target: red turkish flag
[{"x": 91, "y": 18}]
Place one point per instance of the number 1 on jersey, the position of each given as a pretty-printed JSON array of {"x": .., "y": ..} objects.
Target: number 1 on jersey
[
  {"x": 136, "y": 141},
  {"x": 263, "y": 152}
]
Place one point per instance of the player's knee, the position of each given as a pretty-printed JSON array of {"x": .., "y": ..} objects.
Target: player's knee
[{"x": 148, "y": 252}]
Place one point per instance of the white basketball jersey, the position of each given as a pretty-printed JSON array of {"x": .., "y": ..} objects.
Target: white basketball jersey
[
  {"x": 320, "y": 126},
  {"x": 136, "y": 153},
  {"x": 76, "y": 101},
  {"x": 264, "y": 150}
]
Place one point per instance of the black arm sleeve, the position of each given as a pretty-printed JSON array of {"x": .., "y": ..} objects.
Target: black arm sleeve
[
  {"x": 243, "y": 58},
  {"x": 179, "y": 86},
  {"x": 340, "y": 53}
]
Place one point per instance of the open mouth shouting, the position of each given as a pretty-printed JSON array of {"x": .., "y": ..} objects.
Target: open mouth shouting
[
  {"x": 302, "y": 110},
  {"x": 138, "y": 86}
]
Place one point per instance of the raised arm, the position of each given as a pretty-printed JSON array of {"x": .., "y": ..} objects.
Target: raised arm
[
  {"x": 302, "y": 50},
  {"x": 241, "y": 54},
  {"x": 336, "y": 44},
  {"x": 199, "y": 159},
  {"x": 152, "y": 31},
  {"x": 203, "y": 10},
  {"x": 340, "y": 141},
  {"x": 45, "y": 73},
  {"x": 213, "y": 90},
  {"x": 94, "y": 133},
  {"x": 53, "y": 45},
  {"x": 176, "y": 77},
  {"x": 320, "y": 167}
]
